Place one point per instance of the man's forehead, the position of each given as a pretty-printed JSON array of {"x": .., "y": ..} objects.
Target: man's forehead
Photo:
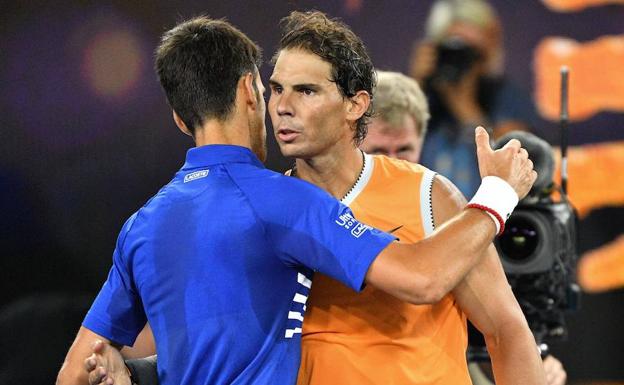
[{"x": 298, "y": 66}]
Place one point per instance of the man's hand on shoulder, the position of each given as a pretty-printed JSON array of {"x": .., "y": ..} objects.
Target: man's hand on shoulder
[{"x": 106, "y": 366}]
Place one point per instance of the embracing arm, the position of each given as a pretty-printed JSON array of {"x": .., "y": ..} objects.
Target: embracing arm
[
  {"x": 106, "y": 365},
  {"x": 426, "y": 271},
  {"x": 486, "y": 298},
  {"x": 72, "y": 372}
]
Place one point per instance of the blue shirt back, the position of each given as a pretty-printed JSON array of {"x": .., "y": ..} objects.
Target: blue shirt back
[{"x": 219, "y": 262}]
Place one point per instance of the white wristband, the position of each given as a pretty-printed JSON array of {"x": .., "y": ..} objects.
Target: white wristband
[{"x": 497, "y": 198}]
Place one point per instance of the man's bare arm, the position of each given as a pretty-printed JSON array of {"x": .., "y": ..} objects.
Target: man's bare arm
[
  {"x": 486, "y": 298},
  {"x": 426, "y": 271},
  {"x": 144, "y": 346},
  {"x": 106, "y": 366}
]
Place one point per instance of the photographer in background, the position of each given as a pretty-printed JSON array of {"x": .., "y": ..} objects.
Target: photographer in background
[{"x": 459, "y": 65}]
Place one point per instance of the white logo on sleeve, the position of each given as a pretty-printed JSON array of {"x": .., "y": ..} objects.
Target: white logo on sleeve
[
  {"x": 347, "y": 221},
  {"x": 195, "y": 175}
]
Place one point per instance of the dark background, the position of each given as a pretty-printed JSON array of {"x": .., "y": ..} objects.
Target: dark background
[{"x": 86, "y": 137}]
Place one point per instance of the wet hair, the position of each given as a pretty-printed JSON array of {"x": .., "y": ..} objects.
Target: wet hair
[{"x": 199, "y": 63}]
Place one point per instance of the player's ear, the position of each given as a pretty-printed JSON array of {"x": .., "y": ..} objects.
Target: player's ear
[
  {"x": 249, "y": 89},
  {"x": 357, "y": 105},
  {"x": 180, "y": 123}
]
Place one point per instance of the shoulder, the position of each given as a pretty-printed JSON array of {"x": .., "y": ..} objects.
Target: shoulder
[
  {"x": 401, "y": 173},
  {"x": 284, "y": 183},
  {"x": 400, "y": 176},
  {"x": 125, "y": 233},
  {"x": 271, "y": 193},
  {"x": 129, "y": 223},
  {"x": 397, "y": 166}
]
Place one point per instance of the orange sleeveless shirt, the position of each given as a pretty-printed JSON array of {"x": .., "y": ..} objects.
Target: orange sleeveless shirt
[{"x": 372, "y": 337}]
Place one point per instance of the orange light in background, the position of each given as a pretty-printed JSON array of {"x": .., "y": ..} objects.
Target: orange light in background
[
  {"x": 602, "y": 269},
  {"x": 112, "y": 63},
  {"x": 596, "y": 76},
  {"x": 353, "y": 6},
  {"x": 577, "y": 5},
  {"x": 596, "y": 179},
  {"x": 596, "y": 175}
]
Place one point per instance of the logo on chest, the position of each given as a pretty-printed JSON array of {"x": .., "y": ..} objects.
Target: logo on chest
[{"x": 195, "y": 175}]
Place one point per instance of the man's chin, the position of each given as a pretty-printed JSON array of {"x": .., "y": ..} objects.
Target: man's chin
[{"x": 288, "y": 150}]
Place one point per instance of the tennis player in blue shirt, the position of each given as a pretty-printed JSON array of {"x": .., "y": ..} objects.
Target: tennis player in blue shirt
[{"x": 220, "y": 260}]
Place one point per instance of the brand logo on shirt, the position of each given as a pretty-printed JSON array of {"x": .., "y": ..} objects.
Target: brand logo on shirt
[
  {"x": 195, "y": 175},
  {"x": 395, "y": 229},
  {"x": 347, "y": 221}
]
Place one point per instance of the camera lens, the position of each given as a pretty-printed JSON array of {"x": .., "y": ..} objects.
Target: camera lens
[
  {"x": 519, "y": 240},
  {"x": 455, "y": 58}
]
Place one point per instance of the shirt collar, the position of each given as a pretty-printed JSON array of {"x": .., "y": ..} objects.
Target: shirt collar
[{"x": 218, "y": 154}]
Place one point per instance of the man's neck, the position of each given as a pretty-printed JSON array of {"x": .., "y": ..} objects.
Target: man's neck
[
  {"x": 233, "y": 131},
  {"x": 335, "y": 172}
]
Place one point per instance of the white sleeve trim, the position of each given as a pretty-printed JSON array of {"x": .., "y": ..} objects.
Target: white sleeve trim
[{"x": 426, "y": 209}]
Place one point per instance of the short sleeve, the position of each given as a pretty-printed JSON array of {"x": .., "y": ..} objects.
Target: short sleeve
[
  {"x": 117, "y": 312},
  {"x": 308, "y": 227}
]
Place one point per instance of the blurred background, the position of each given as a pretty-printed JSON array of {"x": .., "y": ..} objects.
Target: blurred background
[{"x": 86, "y": 137}]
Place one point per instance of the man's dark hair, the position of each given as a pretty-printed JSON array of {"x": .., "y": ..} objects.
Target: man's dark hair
[
  {"x": 199, "y": 63},
  {"x": 334, "y": 42}
]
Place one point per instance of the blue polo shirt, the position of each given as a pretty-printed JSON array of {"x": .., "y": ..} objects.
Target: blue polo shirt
[{"x": 220, "y": 263}]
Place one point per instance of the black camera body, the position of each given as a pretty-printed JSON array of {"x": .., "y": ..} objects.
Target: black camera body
[
  {"x": 538, "y": 250},
  {"x": 537, "y": 236},
  {"x": 539, "y": 247}
]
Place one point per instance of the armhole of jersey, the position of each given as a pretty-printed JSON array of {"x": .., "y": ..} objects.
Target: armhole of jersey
[{"x": 426, "y": 209}]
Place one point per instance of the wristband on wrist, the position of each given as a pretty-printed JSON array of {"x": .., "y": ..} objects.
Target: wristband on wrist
[{"x": 497, "y": 198}]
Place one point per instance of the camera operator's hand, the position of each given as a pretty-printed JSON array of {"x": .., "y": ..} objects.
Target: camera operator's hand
[
  {"x": 423, "y": 61},
  {"x": 510, "y": 163}
]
